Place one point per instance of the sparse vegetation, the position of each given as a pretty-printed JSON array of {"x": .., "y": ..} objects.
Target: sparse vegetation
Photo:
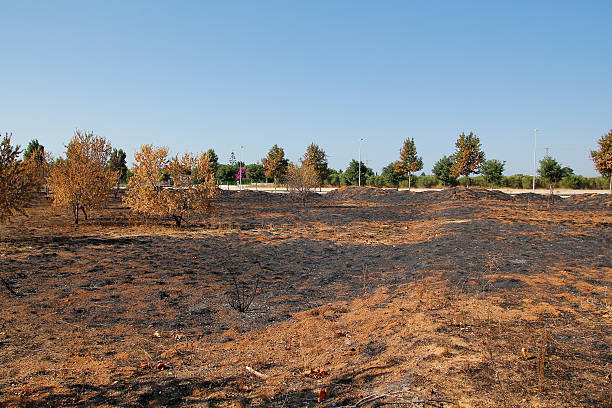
[
  {"x": 301, "y": 180},
  {"x": 409, "y": 161},
  {"x": 468, "y": 157},
  {"x": 603, "y": 157}
]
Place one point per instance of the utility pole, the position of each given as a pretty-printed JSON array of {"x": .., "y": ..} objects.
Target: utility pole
[
  {"x": 359, "y": 169},
  {"x": 240, "y": 169},
  {"x": 535, "y": 138}
]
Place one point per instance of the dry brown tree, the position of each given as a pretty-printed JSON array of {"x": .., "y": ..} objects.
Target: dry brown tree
[
  {"x": 301, "y": 180},
  {"x": 82, "y": 180},
  {"x": 193, "y": 184},
  {"x": 468, "y": 156},
  {"x": 603, "y": 157},
  {"x": 18, "y": 180}
]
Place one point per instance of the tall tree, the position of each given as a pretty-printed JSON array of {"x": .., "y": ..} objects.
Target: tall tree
[
  {"x": 352, "y": 172},
  {"x": 83, "y": 179},
  {"x": 18, "y": 181},
  {"x": 442, "y": 171},
  {"x": 316, "y": 158},
  {"x": 603, "y": 157},
  {"x": 275, "y": 164},
  {"x": 468, "y": 156},
  {"x": 390, "y": 177},
  {"x": 213, "y": 159},
  {"x": 409, "y": 161},
  {"x": 493, "y": 171},
  {"x": 551, "y": 171},
  {"x": 37, "y": 160},
  {"x": 118, "y": 164}
]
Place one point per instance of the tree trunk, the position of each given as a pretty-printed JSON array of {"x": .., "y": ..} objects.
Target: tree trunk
[
  {"x": 409, "y": 181},
  {"x": 610, "y": 184},
  {"x": 177, "y": 220},
  {"x": 75, "y": 213},
  {"x": 467, "y": 181},
  {"x": 84, "y": 213}
]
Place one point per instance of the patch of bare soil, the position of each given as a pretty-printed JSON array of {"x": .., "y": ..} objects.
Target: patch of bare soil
[{"x": 365, "y": 297}]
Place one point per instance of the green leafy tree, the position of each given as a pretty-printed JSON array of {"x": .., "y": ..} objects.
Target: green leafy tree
[
  {"x": 603, "y": 157},
  {"x": 34, "y": 151},
  {"x": 18, "y": 181},
  {"x": 256, "y": 172},
  {"x": 213, "y": 159},
  {"x": 468, "y": 156},
  {"x": 38, "y": 160},
  {"x": 118, "y": 164},
  {"x": 232, "y": 159},
  {"x": 352, "y": 172},
  {"x": 409, "y": 161},
  {"x": 275, "y": 164},
  {"x": 443, "y": 171},
  {"x": 226, "y": 173},
  {"x": 493, "y": 171},
  {"x": 390, "y": 177},
  {"x": 551, "y": 171},
  {"x": 316, "y": 158}
]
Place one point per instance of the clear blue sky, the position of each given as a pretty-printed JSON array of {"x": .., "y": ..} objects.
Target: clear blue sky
[{"x": 221, "y": 74}]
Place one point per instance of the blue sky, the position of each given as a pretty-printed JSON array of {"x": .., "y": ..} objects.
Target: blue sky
[{"x": 225, "y": 74}]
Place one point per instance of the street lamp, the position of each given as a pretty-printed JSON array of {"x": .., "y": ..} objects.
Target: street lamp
[
  {"x": 535, "y": 137},
  {"x": 359, "y": 167}
]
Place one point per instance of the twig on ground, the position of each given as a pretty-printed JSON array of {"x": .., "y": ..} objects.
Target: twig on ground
[{"x": 257, "y": 373}]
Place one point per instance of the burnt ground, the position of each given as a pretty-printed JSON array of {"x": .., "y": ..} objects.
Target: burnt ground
[{"x": 454, "y": 298}]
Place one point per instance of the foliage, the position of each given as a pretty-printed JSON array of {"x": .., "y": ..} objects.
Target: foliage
[
  {"x": 409, "y": 161},
  {"x": 334, "y": 177},
  {"x": 352, "y": 172},
  {"x": 226, "y": 173},
  {"x": 443, "y": 171},
  {"x": 468, "y": 156},
  {"x": 493, "y": 170},
  {"x": 316, "y": 158},
  {"x": 552, "y": 172},
  {"x": 275, "y": 164},
  {"x": 118, "y": 164},
  {"x": 426, "y": 181},
  {"x": 83, "y": 179},
  {"x": 256, "y": 172},
  {"x": 213, "y": 159},
  {"x": 193, "y": 184},
  {"x": 38, "y": 161},
  {"x": 302, "y": 179},
  {"x": 390, "y": 177},
  {"x": 375, "y": 180},
  {"x": 232, "y": 159},
  {"x": 603, "y": 157},
  {"x": 18, "y": 180},
  {"x": 34, "y": 151},
  {"x": 241, "y": 174}
]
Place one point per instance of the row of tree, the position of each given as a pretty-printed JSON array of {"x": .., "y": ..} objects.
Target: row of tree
[{"x": 159, "y": 185}]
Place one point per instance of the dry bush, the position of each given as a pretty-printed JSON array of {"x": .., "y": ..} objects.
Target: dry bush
[
  {"x": 83, "y": 179},
  {"x": 301, "y": 180},
  {"x": 192, "y": 190},
  {"x": 18, "y": 180}
]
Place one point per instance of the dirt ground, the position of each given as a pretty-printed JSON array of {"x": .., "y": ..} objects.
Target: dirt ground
[{"x": 366, "y": 297}]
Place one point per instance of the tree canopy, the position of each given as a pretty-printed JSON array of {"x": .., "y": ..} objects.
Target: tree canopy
[
  {"x": 603, "y": 157},
  {"x": 352, "y": 172},
  {"x": 83, "y": 179},
  {"x": 275, "y": 164},
  {"x": 316, "y": 158},
  {"x": 468, "y": 156},
  {"x": 493, "y": 171},
  {"x": 409, "y": 161},
  {"x": 443, "y": 171}
]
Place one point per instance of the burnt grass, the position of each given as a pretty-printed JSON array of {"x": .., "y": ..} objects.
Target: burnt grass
[{"x": 451, "y": 298}]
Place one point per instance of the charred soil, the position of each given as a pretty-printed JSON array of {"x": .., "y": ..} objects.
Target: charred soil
[{"x": 365, "y": 297}]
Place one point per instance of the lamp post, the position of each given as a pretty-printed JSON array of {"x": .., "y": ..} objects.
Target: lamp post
[
  {"x": 359, "y": 167},
  {"x": 535, "y": 137},
  {"x": 240, "y": 169}
]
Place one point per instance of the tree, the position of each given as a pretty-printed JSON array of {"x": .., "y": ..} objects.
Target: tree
[
  {"x": 192, "y": 190},
  {"x": 83, "y": 179},
  {"x": 409, "y": 161},
  {"x": 117, "y": 164},
  {"x": 603, "y": 157},
  {"x": 316, "y": 158},
  {"x": 255, "y": 172},
  {"x": 302, "y": 179},
  {"x": 551, "y": 171},
  {"x": 390, "y": 177},
  {"x": 443, "y": 171},
  {"x": 232, "y": 159},
  {"x": 226, "y": 173},
  {"x": 275, "y": 164},
  {"x": 468, "y": 156},
  {"x": 213, "y": 159},
  {"x": 493, "y": 170},
  {"x": 18, "y": 181},
  {"x": 352, "y": 172},
  {"x": 36, "y": 158}
]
